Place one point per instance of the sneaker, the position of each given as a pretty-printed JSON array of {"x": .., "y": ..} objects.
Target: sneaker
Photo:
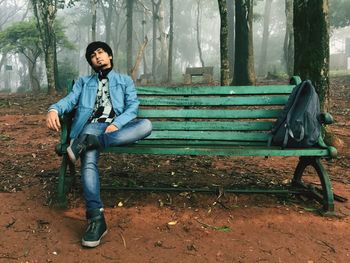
[
  {"x": 76, "y": 147},
  {"x": 96, "y": 229},
  {"x": 81, "y": 144}
]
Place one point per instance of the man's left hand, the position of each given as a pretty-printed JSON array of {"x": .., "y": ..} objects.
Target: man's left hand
[{"x": 111, "y": 128}]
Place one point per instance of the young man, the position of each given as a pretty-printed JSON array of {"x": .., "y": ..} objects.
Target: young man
[{"x": 106, "y": 107}]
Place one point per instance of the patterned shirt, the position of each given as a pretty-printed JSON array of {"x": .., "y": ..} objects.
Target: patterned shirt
[{"x": 103, "y": 110}]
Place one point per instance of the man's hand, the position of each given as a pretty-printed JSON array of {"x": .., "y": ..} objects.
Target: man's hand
[
  {"x": 111, "y": 128},
  {"x": 52, "y": 121}
]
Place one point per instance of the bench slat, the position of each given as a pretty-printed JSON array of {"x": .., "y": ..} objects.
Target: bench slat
[
  {"x": 213, "y": 101},
  {"x": 217, "y": 150},
  {"x": 210, "y": 135},
  {"x": 215, "y": 90},
  {"x": 213, "y": 125},
  {"x": 209, "y": 114},
  {"x": 203, "y": 143}
]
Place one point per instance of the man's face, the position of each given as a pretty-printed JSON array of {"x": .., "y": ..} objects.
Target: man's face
[{"x": 100, "y": 59}]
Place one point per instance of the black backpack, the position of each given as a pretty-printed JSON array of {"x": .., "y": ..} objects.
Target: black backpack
[{"x": 299, "y": 124}]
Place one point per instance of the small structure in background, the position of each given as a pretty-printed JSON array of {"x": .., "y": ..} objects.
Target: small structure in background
[{"x": 205, "y": 72}]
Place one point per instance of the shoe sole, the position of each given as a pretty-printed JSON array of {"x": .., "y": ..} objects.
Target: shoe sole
[
  {"x": 93, "y": 243},
  {"x": 71, "y": 154}
]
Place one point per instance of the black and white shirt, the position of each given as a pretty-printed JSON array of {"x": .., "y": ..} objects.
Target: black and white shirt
[{"x": 103, "y": 111}]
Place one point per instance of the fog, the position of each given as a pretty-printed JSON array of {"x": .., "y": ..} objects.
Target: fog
[{"x": 77, "y": 19}]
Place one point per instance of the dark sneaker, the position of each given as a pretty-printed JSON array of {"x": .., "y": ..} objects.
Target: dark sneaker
[
  {"x": 81, "y": 144},
  {"x": 96, "y": 230},
  {"x": 76, "y": 148}
]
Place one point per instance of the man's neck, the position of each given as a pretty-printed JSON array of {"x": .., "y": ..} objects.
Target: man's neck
[{"x": 102, "y": 73}]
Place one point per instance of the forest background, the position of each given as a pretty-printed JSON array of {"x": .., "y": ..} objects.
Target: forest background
[{"x": 43, "y": 42}]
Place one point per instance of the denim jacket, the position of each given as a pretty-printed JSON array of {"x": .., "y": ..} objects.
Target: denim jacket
[{"x": 83, "y": 96}]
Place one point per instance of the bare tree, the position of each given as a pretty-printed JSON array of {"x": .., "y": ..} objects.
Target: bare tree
[
  {"x": 45, "y": 13},
  {"x": 198, "y": 33},
  {"x": 244, "y": 72},
  {"x": 224, "y": 68},
  {"x": 262, "y": 70},
  {"x": 171, "y": 42},
  {"x": 94, "y": 19},
  {"x": 288, "y": 44},
  {"x": 311, "y": 39},
  {"x": 129, "y": 30}
]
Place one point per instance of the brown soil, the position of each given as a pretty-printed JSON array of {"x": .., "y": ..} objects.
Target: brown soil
[{"x": 165, "y": 227}]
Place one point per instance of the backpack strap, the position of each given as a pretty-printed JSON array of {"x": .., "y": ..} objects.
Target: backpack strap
[{"x": 288, "y": 130}]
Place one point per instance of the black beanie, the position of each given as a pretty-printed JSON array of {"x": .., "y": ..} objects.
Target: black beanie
[{"x": 96, "y": 45}]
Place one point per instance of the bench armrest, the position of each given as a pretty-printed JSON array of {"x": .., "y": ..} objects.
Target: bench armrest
[{"x": 66, "y": 123}]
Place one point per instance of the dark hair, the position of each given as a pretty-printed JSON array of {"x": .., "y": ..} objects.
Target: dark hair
[{"x": 96, "y": 45}]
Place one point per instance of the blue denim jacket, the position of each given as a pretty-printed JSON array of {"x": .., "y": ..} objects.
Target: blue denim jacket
[{"x": 83, "y": 96}]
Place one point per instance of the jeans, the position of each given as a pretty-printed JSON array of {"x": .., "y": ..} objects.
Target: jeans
[{"x": 133, "y": 131}]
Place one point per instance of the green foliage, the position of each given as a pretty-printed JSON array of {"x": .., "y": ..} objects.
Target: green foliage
[
  {"x": 23, "y": 37},
  {"x": 61, "y": 38},
  {"x": 339, "y": 13},
  {"x": 20, "y": 37}
]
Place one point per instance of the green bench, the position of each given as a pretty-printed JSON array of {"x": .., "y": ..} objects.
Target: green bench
[{"x": 217, "y": 121}]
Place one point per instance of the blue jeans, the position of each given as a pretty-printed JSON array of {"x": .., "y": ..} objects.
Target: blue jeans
[{"x": 133, "y": 131}]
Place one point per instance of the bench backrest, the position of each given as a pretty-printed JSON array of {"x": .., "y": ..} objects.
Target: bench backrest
[{"x": 203, "y": 115}]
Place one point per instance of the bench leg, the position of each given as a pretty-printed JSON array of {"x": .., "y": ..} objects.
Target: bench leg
[
  {"x": 324, "y": 195},
  {"x": 64, "y": 181},
  {"x": 61, "y": 193}
]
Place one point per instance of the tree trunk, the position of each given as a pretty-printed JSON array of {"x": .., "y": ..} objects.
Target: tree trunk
[
  {"x": 34, "y": 82},
  {"x": 155, "y": 8},
  {"x": 288, "y": 45},
  {"x": 198, "y": 31},
  {"x": 162, "y": 67},
  {"x": 135, "y": 69},
  {"x": 107, "y": 13},
  {"x": 244, "y": 72},
  {"x": 224, "y": 68},
  {"x": 45, "y": 14},
  {"x": 129, "y": 29},
  {"x": 266, "y": 32},
  {"x": 171, "y": 40},
  {"x": 94, "y": 19},
  {"x": 311, "y": 41},
  {"x": 231, "y": 35}
]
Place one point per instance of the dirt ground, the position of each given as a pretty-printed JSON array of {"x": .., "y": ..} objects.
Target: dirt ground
[{"x": 165, "y": 227}]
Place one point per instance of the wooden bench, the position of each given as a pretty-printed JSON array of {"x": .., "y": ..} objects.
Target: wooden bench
[
  {"x": 205, "y": 72},
  {"x": 217, "y": 121}
]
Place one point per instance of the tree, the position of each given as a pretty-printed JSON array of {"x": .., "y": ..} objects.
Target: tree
[
  {"x": 45, "y": 13},
  {"x": 23, "y": 38},
  {"x": 339, "y": 13},
  {"x": 129, "y": 29},
  {"x": 288, "y": 44},
  {"x": 171, "y": 42},
  {"x": 311, "y": 40},
  {"x": 224, "y": 67},
  {"x": 155, "y": 11},
  {"x": 244, "y": 72},
  {"x": 198, "y": 33},
  {"x": 94, "y": 19},
  {"x": 231, "y": 35},
  {"x": 266, "y": 32},
  {"x": 107, "y": 8}
]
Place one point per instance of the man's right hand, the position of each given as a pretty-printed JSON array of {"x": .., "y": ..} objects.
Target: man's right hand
[{"x": 52, "y": 121}]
